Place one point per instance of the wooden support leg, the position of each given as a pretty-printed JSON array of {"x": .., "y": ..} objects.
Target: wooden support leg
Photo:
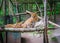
[
  {"x": 45, "y": 36},
  {"x": 6, "y": 37},
  {"x": 1, "y": 38}
]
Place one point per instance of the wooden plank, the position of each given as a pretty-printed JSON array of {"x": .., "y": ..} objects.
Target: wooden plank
[
  {"x": 22, "y": 29},
  {"x": 51, "y": 22}
]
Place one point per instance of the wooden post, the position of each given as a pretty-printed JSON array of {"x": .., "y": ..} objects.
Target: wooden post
[
  {"x": 1, "y": 38},
  {"x": 45, "y": 21},
  {"x": 5, "y": 22},
  {"x": 5, "y": 12}
]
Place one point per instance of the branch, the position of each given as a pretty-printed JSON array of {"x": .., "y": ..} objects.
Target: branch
[{"x": 50, "y": 22}]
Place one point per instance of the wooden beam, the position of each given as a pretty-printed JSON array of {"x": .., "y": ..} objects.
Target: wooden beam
[
  {"x": 23, "y": 29},
  {"x": 51, "y": 22}
]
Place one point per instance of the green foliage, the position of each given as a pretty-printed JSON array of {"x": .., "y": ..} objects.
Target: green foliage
[
  {"x": 57, "y": 8},
  {"x": 1, "y": 22},
  {"x": 49, "y": 32},
  {"x": 48, "y": 12},
  {"x": 1, "y": 12},
  {"x": 41, "y": 5},
  {"x": 54, "y": 39},
  {"x": 14, "y": 19},
  {"x": 34, "y": 7},
  {"x": 0, "y": 1},
  {"x": 50, "y": 26},
  {"x": 7, "y": 11}
]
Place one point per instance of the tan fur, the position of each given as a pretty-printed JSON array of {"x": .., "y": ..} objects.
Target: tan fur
[
  {"x": 33, "y": 18},
  {"x": 9, "y": 26},
  {"x": 16, "y": 25}
]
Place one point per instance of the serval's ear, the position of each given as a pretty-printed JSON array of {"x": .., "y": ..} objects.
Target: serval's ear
[{"x": 29, "y": 12}]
